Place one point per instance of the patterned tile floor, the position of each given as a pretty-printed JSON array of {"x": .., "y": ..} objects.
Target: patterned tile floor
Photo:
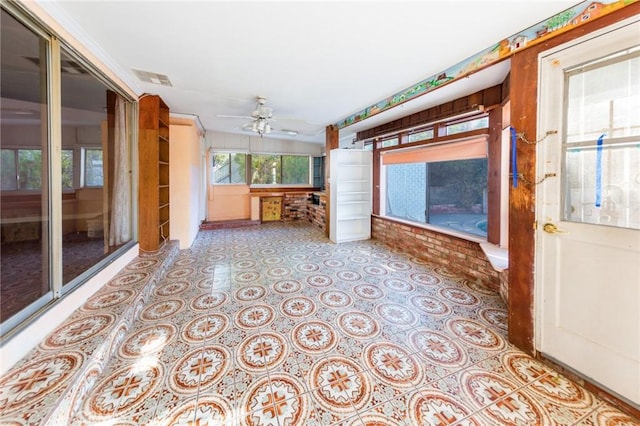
[{"x": 274, "y": 325}]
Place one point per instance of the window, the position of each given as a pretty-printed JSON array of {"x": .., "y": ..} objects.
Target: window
[
  {"x": 467, "y": 126},
  {"x": 9, "y": 175},
  {"x": 265, "y": 169},
  {"x": 93, "y": 171},
  {"x": 29, "y": 163},
  {"x": 443, "y": 185},
  {"x": 275, "y": 169},
  {"x": 229, "y": 167},
  {"x": 295, "y": 169},
  {"x": 67, "y": 169},
  {"x": 389, "y": 142},
  {"x": 420, "y": 135},
  {"x": 601, "y": 151},
  {"x": 29, "y": 169},
  {"x": 25, "y": 239},
  {"x": 318, "y": 172}
]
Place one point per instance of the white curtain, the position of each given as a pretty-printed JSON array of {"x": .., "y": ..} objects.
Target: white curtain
[{"x": 120, "y": 223}]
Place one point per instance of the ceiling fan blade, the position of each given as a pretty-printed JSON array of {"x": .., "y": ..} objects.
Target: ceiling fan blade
[
  {"x": 243, "y": 117},
  {"x": 300, "y": 120}
]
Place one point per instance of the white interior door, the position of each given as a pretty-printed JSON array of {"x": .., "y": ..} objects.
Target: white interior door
[{"x": 588, "y": 235}]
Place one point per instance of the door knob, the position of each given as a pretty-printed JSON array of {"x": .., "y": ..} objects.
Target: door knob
[{"x": 551, "y": 228}]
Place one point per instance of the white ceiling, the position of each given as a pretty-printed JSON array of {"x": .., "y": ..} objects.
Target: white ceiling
[{"x": 315, "y": 62}]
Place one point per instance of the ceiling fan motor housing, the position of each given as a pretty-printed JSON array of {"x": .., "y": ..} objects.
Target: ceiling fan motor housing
[{"x": 262, "y": 111}]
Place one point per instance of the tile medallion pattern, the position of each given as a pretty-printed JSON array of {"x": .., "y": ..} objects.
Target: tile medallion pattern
[
  {"x": 255, "y": 316},
  {"x": 262, "y": 351},
  {"x": 147, "y": 341},
  {"x": 314, "y": 337},
  {"x": 123, "y": 390},
  {"x": 32, "y": 382},
  {"x": 74, "y": 332},
  {"x": 339, "y": 384},
  {"x": 274, "y": 325},
  {"x": 275, "y": 400},
  {"x": 199, "y": 368}
]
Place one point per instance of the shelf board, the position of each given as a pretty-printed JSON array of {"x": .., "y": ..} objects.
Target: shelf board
[
  {"x": 163, "y": 163},
  {"x": 163, "y": 205},
  {"x": 163, "y": 223},
  {"x": 163, "y": 186},
  {"x": 353, "y": 202},
  {"x": 163, "y": 139},
  {"x": 350, "y": 218}
]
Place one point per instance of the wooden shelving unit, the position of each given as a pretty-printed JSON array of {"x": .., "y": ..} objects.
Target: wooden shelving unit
[{"x": 153, "y": 183}]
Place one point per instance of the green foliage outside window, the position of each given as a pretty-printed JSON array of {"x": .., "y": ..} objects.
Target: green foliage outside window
[
  {"x": 229, "y": 167},
  {"x": 8, "y": 158},
  {"x": 266, "y": 169},
  {"x": 22, "y": 169},
  {"x": 93, "y": 173},
  {"x": 29, "y": 169},
  {"x": 67, "y": 169},
  {"x": 273, "y": 169},
  {"x": 295, "y": 169}
]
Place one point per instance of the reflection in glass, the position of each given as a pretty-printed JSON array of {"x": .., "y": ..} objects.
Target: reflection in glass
[
  {"x": 93, "y": 167},
  {"x": 24, "y": 207},
  {"x": 92, "y": 117}
]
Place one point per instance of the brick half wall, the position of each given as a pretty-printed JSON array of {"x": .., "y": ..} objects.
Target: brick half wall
[{"x": 455, "y": 254}]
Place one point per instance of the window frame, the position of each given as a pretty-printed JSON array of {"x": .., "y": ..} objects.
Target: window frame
[
  {"x": 249, "y": 169},
  {"x": 439, "y": 138},
  {"x": 308, "y": 184},
  {"x": 229, "y": 154},
  {"x": 427, "y": 224},
  {"x": 84, "y": 168}
]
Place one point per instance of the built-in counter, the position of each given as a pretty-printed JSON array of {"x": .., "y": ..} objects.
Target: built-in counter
[{"x": 288, "y": 205}]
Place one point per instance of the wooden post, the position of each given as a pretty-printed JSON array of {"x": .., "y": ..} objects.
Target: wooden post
[{"x": 332, "y": 142}]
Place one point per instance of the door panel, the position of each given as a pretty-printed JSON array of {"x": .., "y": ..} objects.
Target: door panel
[{"x": 588, "y": 269}]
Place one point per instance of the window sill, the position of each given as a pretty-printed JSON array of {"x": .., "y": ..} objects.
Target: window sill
[
  {"x": 498, "y": 256},
  {"x": 278, "y": 186}
]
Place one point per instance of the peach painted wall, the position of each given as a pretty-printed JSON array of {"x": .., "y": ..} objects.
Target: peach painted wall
[
  {"x": 229, "y": 202},
  {"x": 185, "y": 183}
]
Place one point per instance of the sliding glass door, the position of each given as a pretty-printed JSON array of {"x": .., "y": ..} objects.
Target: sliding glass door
[
  {"x": 66, "y": 190},
  {"x": 24, "y": 207}
]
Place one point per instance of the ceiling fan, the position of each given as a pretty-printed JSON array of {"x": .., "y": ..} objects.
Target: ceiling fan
[{"x": 262, "y": 117}]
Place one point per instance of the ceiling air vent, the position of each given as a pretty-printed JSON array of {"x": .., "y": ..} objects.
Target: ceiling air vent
[{"x": 152, "y": 77}]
